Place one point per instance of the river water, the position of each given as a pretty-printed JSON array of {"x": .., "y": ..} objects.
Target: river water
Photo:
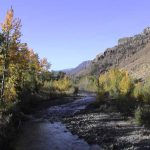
[{"x": 47, "y": 132}]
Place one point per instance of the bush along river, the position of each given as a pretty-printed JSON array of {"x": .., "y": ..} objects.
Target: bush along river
[{"x": 45, "y": 130}]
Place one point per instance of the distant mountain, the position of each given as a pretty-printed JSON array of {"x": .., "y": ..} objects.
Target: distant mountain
[
  {"x": 81, "y": 67},
  {"x": 131, "y": 53}
]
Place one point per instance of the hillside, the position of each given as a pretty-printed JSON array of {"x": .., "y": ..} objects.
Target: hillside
[
  {"x": 80, "y": 68},
  {"x": 131, "y": 53}
]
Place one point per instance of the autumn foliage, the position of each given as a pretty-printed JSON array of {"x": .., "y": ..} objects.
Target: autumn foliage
[
  {"x": 116, "y": 82},
  {"x": 20, "y": 66}
]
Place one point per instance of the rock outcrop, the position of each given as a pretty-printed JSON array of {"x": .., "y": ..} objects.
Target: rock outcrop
[{"x": 124, "y": 55}]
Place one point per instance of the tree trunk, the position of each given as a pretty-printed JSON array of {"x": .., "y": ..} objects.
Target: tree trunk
[
  {"x": 3, "y": 80},
  {"x": 4, "y": 69}
]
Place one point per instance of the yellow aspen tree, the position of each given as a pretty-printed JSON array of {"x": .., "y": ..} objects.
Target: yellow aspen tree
[{"x": 11, "y": 34}]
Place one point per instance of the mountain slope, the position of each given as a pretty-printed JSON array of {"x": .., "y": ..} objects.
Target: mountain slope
[
  {"x": 81, "y": 67},
  {"x": 139, "y": 64},
  {"x": 131, "y": 53}
]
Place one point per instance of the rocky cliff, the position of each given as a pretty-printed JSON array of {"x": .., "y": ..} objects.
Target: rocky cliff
[{"x": 131, "y": 53}]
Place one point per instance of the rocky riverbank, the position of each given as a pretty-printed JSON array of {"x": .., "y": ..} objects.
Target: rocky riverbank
[{"x": 110, "y": 130}]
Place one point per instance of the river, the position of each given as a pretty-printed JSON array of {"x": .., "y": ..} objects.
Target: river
[{"x": 45, "y": 131}]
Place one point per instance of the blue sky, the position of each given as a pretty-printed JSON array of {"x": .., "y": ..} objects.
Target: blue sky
[{"x": 68, "y": 32}]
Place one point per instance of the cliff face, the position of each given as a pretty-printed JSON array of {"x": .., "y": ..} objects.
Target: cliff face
[
  {"x": 139, "y": 64},
  {"x": 131, "y": 53}
]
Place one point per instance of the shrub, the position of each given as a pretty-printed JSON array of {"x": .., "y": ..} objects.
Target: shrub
[
  {"x": 48, "y": 85},
  {"x": 142, "y": 91},
  {"x": 100, "y": 97},
  {"x": 118, "y": 86},
  {"x": 126, "y": 105},
  {"x": 146, "y": 91},
  {"x": 87, "y": 83},
  {"x": 137, "y": 92},
  {"x": 142, "y": 115},
  {"x": 62, "y": 85},
  {"x": 117, "y": 82},
  {"x": 75, "y": 90}
]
